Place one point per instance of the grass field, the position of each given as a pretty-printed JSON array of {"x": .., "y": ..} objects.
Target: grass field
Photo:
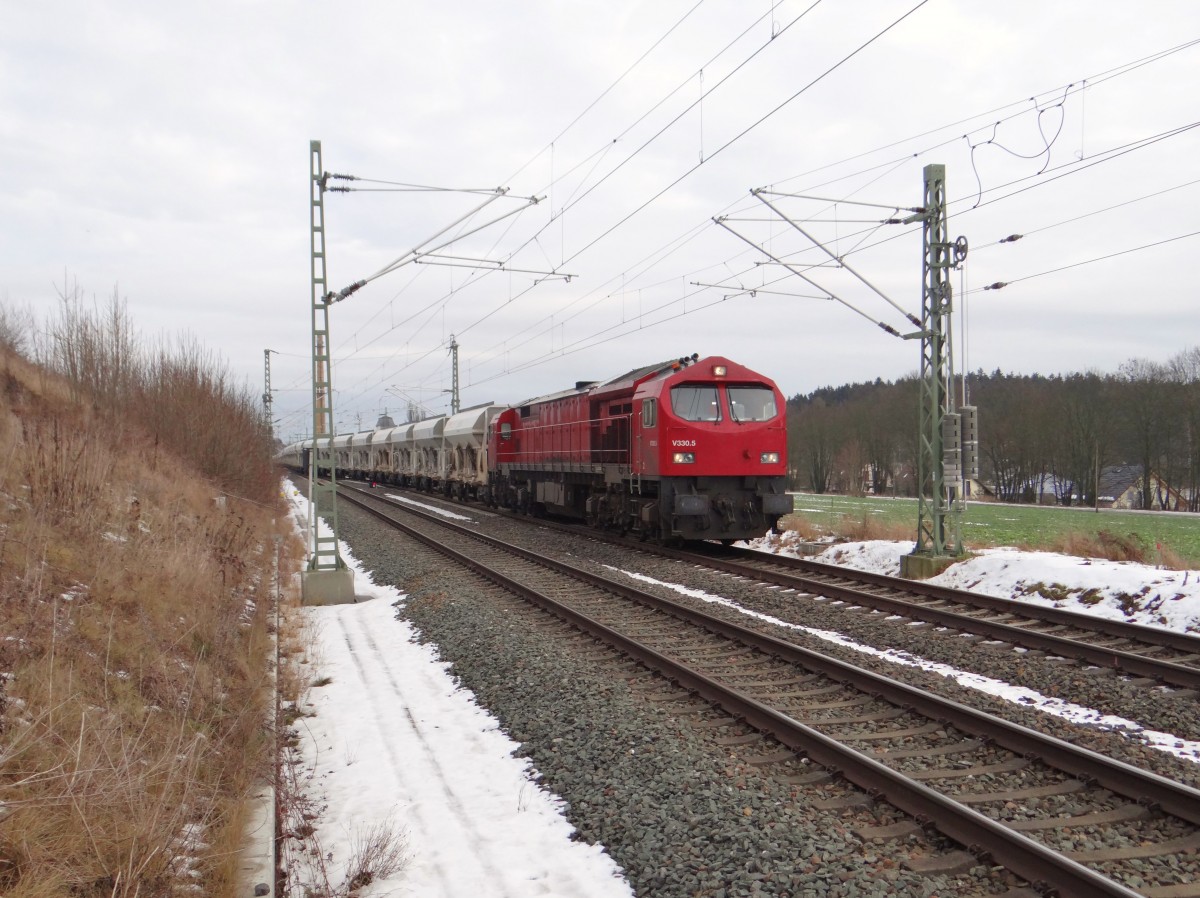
[{"x": 998, "y": 524}]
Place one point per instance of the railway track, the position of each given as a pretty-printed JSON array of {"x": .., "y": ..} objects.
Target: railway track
[
  {"x": 1164, "y": 656},
  {"x": 1009, "y": 794}
]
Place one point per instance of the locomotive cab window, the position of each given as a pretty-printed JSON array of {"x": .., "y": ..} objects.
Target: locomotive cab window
[
  {"x": 649, "y": 412},
  {"x": 696, "y": 403},
  {"x": 752, "y": 403}
]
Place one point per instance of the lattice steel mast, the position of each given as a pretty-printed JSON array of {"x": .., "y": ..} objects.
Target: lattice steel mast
[
  {"x": 454, "y": 376},
  {"x": 943, "y": 432},
  {"x": 268, "y": 412},
  {"x": 939, "y": 472},
  {"x": 324, "y": 547}
]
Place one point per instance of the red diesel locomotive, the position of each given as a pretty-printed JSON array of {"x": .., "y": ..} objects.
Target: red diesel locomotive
[{"x": 687, "y": 449}]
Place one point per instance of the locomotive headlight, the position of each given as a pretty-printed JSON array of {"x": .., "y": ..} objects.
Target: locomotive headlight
[
  {"x": 684, "y": 458},
  {"x": 719, "y": 371},
  {"x": 769, "y": 458}
]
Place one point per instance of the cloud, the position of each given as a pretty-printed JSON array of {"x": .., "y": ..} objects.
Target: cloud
[{"x": 162, "y": 150}]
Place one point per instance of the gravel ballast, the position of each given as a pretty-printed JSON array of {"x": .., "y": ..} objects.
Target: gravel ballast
[{"x": 661, "y": 781}]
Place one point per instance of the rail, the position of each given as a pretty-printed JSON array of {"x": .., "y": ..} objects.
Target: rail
[{"x": 978, "y": 832}]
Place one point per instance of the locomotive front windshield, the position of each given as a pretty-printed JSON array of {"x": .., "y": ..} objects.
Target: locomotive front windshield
[
  {"x": 752, "y": 403},
  {"x": 694, "y": 402}
]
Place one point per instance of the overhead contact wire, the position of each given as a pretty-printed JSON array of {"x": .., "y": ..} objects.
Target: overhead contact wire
[{"x": 998, "y": 285}]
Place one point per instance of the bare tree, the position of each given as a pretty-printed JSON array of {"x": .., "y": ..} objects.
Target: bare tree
[
  {"x": 1185, "y": 370},
  {"x": 882, "y": 420},
  {"x": 1148, "y": 408},
  {"x": 812, "y": 444},
  {"x": 16, "y": 328},
  {"x": 94, "y": 348},
  {"x": 1083, "y": 438}
]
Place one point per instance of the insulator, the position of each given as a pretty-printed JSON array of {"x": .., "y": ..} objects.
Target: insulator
[
  {"x": 951, "y": 429},
  {"x": 970, "y": 459},
  {"x": 970, "y": 422}
]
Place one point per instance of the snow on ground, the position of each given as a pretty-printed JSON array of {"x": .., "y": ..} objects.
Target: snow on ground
[
  {"x": 425, "y": 506},
  {"x": 1188, "y": 750},
  {"x": 392, "y": 739},
  {"x": 1119, "y": 590}
]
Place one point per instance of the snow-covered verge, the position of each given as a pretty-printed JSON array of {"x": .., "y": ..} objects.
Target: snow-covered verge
[
  {"x": 1119, "y": 590},
  {"x": 387, "y": 739}
]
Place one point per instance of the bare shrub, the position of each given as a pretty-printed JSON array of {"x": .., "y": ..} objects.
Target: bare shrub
[
  {"x": 66, "y": 467},
  {"x": 178, "y": 401},
  {"x": 844, "y": 527},
  {"x": 1104, "y": 544},
  {"x": 1122, "y": 547},
  {"x": 800, "y": 524},
  {"x": 1113, "y": 546},
  {"x": 376, "y": 852},
  {"x": 95, "y": 350},
  {"x": 184, "y": 390},
  {"x": 869, "y": 527},
  {"x": 16, "y": 328},
  {"x": 1171, "y": 560}
]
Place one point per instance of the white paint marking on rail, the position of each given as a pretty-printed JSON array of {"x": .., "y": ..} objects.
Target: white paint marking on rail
[{"x": 1185, "y": 749}]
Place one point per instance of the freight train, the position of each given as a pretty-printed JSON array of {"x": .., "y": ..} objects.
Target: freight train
[{"x": 689, "y": 449}]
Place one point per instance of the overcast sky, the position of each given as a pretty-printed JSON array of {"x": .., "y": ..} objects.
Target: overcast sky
[{"x": 161, "y": 151}]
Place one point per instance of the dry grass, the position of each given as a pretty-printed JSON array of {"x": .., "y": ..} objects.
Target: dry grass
[
  {"x": 1105, "y": 544},
  {"x": 376, "y": 852},
  {"x": 137, "y": 618},
  {"x": 299, "y": 653},
  {"x": 1118, "y": 547},
  {"x": 844, "y": 528}
]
